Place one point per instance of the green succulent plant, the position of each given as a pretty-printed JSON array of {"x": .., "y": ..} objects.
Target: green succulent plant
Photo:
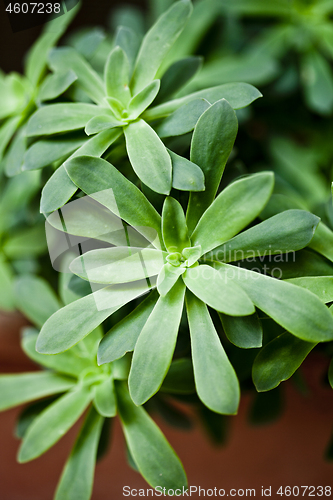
[{"x": 72, "y": 384}]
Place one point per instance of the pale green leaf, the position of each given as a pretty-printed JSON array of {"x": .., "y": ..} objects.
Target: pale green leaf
[
  {"x": 143, "y": 99},
  {"x": 232, "y": 210},
  {"x": 23, "y": 387},
  {"x": 212, "y": 142},
  {"x": 186, "y": 175},
  {"x": 78, "y": 475},
  {"x": 155, "y": 346},
  {"x": 102, "y": 181},
  {"x": 35, "y": 298},
  {"x": 117, "y": 75},
  {"x": 174, "y": 230},
  {"x": 62, "y": 58},
  {"x": 118, "y": 264},
  {"x": 47, "y": 151},
  {"x": 294, "y": 308},
  {"x": 215, "y": 379},
  {"x": 184, "y": 119},
  {"x": 148, "y": 156},
  {"x": 217, "y": 291},
  {"x": 60, "y": 117},
  {"x": 123, "y": 336},
  {"x": 285, "y": 232},
  {"x": 75, "y": 321},
  {"x": 105, "y": 398},
  {"x": 152, "y": 454},
  {"x": 53, "y": 423},
  {"x": 322, "y": 286},
  {"x": 56, "y": 84},
  {"x": 157, "y": 43}
]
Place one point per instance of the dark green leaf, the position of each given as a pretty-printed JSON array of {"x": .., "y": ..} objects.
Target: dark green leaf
[
  {"x": 179, "y": 73},
  {"x": 243, "y": 331},
  {"x": 179, "y": 379},
  {"x": 278, "y": 360}
]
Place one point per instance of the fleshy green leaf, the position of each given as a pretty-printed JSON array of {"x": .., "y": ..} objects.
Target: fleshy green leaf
[
  {"x": 36, "y": 61},
  {"x": 61, "y": 117},
  {"x": 238, "y": 95},
  {"x": 127, "y": 39},
  {"x": 78, "y": 475},
  {"x": 123, "y": 336},
  {"x": 56, "y": 84},
  {"x": 72, "y": 323},
  {"x": 117, "y": 75},
  {"x": 219, "y": 293},
  {"x": 23, "y": 387},
  {"x": 7, "y": 130},
  {"x": 105, "y": 398},
  {"x": 118, "y": 264},
  {"x": 322, "y": 286},
  {"x": 294, "y": 308},
  {"x": 35, "y": 298},
  {"x": 167, "y": 277},
  {"x": 143, "y": 99},
  {"x": 186, "y": 175},
  {"x": 153, "y": 455},
  {"x": 28, "y": 242},
  {"x": 100, "y": 123},
  {"x": 102, "y": 181},
  {"x": 179, "y": 73},
  {"x": 59, "y": 188},
  {"x": 212, "y": 142},
  {"x": 67, "y": 362},
  {"x": 285, "y": 232},
  {"x": 175, "y": 234},
  {"x": 155, "y": 346},
  {"x": 157, "y": 43},
  {"x": 322, "y": 241},
  {"x": 46, "y": 151},
  {"x": 62, "y": 58},
  {"x": 184, "y": 119},
  {"x": 243, "y": 331},
  {"x": 278, "y": 360},
  {"x": 232, "y": 210},
  {"x": 53, "y": 423},
  {"x": 148, "y": 156},
  {"x": 317, "y": 79},
  {"x": 14, "y": 157},
  {"x": 215, "y": 379}
]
